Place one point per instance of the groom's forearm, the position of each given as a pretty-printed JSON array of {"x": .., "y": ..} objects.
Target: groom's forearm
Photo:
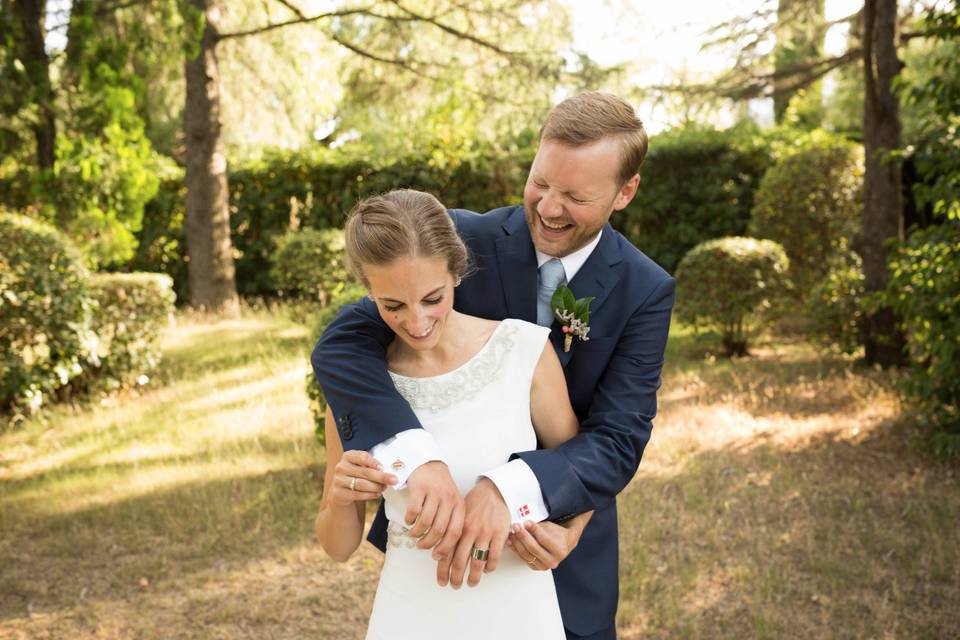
[{"x": 349, "y": 362}]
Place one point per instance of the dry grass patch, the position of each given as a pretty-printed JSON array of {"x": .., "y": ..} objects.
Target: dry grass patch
[
  {"x": 185, "y": 512},
  {"x": 781, "y": 497}
]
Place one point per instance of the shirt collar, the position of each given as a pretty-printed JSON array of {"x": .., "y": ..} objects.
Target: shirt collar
[{"x": 572, "y": 263}]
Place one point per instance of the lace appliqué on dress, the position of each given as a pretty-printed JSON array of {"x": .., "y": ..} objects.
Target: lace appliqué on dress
[
  {"x": 397, "y": 536},
  {"x": 439, "y": 392}
]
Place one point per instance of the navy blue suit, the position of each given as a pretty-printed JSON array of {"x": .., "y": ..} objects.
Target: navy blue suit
[{"x": 612, "y": 380}]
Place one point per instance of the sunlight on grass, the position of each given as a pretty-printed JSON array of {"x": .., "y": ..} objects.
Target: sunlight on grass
[
  {"x": 780, "y": 496},
  {"x": 213, "y": 422}
]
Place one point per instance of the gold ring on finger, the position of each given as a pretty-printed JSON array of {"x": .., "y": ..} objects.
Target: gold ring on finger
[
  {"x": 532, "y": 560},
  {"x": 353, "y": 483}
]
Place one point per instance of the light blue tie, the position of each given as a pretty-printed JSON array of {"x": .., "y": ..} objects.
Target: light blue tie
[{"x": 551, "y": 277}]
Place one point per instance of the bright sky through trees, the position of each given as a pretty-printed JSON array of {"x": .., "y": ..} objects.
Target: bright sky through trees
[{"x": 659, "y": 42}]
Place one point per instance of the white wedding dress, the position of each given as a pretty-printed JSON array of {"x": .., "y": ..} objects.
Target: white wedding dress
[{"x": 479, "y": 414}]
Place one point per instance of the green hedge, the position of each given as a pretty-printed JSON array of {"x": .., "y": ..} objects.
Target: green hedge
[
  {"x": 732, "y": 285},
  {"x": 132, "y": 310},
  {"x": 45, "y": 336},
  {"x": 696, "y": 184},
  {"x": 924, "y": 291},
  {"x": 810, "y": 202},
  {"x": 309, "y": 267},
  {"x": 314, "y": 191}
]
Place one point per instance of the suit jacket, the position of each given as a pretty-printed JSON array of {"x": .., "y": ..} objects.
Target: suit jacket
[{"x": 612, "y": 380}]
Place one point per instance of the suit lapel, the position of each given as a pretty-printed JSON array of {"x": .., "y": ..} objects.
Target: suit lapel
[
  {"x": 517, "y": 263},
  {"x": 595, "y": 278},
  {"x": 518, "y": 268}
]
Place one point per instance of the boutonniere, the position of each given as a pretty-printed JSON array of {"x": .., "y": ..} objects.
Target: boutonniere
[{"x": 573, "y": 314}]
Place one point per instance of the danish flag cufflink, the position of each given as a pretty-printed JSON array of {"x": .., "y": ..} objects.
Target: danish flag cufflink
[{"x": 524, "y": 511}]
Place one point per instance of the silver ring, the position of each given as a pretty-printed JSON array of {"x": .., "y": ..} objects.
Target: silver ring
[
  {"x": 353, "y": 483},
  {"x": 480, "y": 554}
]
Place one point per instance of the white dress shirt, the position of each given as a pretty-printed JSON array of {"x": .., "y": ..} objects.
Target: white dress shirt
[{"x": 518, "y": 485}]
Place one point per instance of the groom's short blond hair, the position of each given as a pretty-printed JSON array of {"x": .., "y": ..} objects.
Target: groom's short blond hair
[{"x": 593, "y": 115}]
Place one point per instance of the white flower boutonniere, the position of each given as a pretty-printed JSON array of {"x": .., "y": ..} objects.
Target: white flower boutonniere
[{"x": 573, "y": 314}]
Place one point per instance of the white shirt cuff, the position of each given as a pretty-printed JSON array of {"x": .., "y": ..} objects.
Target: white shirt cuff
[
  {"x": 403, "y": 453},
  {"x": 520, "y": 490}
]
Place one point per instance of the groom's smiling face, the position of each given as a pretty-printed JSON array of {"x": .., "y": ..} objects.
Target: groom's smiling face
[{"x": 571, "y": 192}]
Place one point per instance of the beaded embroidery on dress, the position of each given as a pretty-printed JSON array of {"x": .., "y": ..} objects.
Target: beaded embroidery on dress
[{"x": 478, "y": 414}]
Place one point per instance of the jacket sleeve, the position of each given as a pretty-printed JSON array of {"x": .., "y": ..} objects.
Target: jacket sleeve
[
  {"x": 349, "y": 361},
  {"x": 588, "y": 471}
]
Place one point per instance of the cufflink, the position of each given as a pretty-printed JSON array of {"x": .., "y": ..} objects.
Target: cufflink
[
  {"x": 524, "y": 511},
  {"x": 398, "y": 464}
]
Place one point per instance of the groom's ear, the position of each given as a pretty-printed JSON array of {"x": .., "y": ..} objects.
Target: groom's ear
[{"x": 626, "y": 193}]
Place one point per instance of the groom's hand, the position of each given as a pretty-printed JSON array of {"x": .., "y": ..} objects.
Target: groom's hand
[
  {"x": 545, "y": 545},
  {"x": 436, "y": 507},
  {"x": 486, "y": 525}
]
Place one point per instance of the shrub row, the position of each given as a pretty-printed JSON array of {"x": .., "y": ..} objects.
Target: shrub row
[
  {"x": 270, "y": 197},
  {"x": 696, "y": 185},
  {"x": 64, "y": 331}
]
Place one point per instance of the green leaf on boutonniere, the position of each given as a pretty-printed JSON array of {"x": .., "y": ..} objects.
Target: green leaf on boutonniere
[{"x": 573, "y": 314}]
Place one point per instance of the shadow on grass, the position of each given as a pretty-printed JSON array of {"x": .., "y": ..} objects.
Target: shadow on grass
[
  {"x": 835, "y": 539},
  {"x": 167, "y": 535},
  {"x": 796, "y": 379}
]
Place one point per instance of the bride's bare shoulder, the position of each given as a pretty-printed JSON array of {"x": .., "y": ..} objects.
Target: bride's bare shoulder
[{"x": 481, "y": 328}]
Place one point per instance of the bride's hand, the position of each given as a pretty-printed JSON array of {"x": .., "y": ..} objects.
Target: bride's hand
[{"x": 358, "y": 477}]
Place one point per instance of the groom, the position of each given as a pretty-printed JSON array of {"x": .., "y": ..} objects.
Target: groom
[{"x": 586, "y": 167}]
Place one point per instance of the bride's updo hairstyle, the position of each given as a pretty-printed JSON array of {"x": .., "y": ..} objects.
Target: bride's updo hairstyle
[{"x": 402, "y": 223}]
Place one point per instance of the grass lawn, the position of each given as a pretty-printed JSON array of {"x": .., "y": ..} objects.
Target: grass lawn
[{"x": 781, "y": 496}]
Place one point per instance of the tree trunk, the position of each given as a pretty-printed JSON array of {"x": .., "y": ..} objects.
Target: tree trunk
[
  {"x": 209, "y": 249},
  {"x": 32, "y": 14},
  {"x": 882, "y": 199}
]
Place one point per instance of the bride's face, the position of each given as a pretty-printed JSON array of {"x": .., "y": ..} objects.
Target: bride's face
[{"x": 414, "y": 296}]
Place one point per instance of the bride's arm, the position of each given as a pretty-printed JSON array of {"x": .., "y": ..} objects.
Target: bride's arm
[
  {"x": 553, "y": 417},
  {"x": 339, "y": 523},
  {"x": 544, "y": 545}
]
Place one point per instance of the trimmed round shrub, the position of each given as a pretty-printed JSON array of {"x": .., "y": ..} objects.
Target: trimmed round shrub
[
  {"x": 924, "y": 291},
  {"x": 810, "y": 202},
  {"x": 132, "y": 310},
  {"x": 834, "y": 306},
  {"x": 734, "y": 286},
  {"x": 45, "y": 335},
  {"x": 309, "y": 266},
  {"x": 318, "y": 406}
]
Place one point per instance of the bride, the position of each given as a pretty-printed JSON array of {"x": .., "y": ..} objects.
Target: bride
[{"x": 482, "y": 388}]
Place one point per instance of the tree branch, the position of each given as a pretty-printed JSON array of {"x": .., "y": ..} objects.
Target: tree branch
[
  {"x": 454, "y": 32},
  {"x": 295, "y": 9},
  {"x": 286, "y": 23}
]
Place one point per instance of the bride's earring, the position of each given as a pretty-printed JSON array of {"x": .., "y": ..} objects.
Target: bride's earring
[{"x": 457, "y": 283}]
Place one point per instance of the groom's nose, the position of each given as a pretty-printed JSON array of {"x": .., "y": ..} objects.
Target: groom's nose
[{"x": 549, "y": 206}]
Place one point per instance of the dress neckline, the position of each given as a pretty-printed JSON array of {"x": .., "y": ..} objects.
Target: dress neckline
[{"x": 480, "y": 352}]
